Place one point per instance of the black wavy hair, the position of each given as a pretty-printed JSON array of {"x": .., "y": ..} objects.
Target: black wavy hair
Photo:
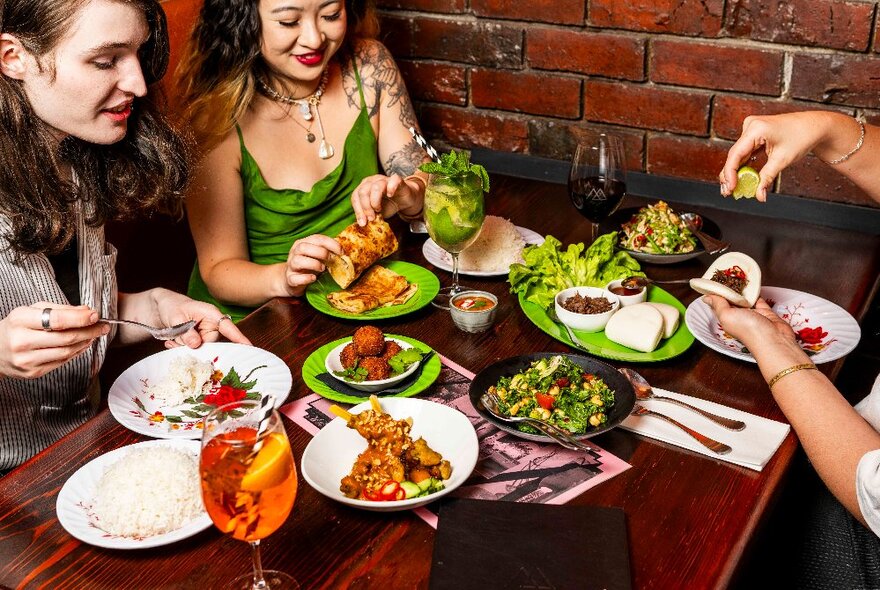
[{"x": 222, "y": 60}]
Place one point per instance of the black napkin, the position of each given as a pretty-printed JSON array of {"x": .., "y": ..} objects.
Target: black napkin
[
  {"x": 340, "y": 387},
  {"x": 489, "y": 544}
]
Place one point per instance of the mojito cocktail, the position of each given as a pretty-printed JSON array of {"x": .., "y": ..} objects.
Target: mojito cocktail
[{"x": 454, "y": 214}]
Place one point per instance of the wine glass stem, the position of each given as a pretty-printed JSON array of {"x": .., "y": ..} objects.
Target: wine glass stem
[
  {"x": 594, "y": 231},
  {"x": 454, "y": 288},
  {"x": 259, "y": 581}
]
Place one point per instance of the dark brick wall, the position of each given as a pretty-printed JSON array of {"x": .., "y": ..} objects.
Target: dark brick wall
[{"x": 674, "y": 77}]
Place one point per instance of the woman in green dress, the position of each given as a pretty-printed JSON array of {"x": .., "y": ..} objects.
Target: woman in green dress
[{"x": 294, "y": 106}]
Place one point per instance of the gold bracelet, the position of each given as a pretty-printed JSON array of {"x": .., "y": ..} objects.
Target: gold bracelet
[
  {"x": 859, "y": 143},
  {"x": 789, "y": 371}
]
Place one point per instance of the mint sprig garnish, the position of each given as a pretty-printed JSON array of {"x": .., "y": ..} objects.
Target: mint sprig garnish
[{"x": 457, "y": 164}]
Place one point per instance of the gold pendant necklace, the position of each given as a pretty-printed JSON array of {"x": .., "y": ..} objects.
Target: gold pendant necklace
[{"x": 305, "y": 104}]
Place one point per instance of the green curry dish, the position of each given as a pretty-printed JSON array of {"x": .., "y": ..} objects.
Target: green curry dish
[{"x": 555, "y": 390}]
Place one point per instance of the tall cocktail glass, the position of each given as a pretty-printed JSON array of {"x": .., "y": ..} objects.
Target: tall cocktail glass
[
  {"x": 454, "y": 213},
  {"x": 248, "y": 481}
]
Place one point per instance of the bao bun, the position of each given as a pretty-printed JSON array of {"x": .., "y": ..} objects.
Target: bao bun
[{"x": 752, "y": 290}]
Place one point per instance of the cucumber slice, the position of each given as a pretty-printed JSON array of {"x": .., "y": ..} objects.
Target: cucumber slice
[
  {"x": 411, "y": 489},
  {"x": 425, "y": 484}
]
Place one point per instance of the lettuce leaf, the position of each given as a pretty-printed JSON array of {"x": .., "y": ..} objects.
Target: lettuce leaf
[{"x": 549, "y": 268}]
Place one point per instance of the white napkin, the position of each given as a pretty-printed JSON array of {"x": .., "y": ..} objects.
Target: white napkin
[{"x": 752, "y": 447}]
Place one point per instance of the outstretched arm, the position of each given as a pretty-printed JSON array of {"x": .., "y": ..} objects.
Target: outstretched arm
[
  {"x": 788, "y": 138},
  {"x": 834, "y": 436}
]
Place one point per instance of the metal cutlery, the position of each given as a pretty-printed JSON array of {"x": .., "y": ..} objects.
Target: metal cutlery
[
  {"x": 563, "y": 438},
  {"x": 169, "y": 333},
  {"x": 712, "y": 245},
  {"x": 551, "y": 313},
  {"x": 644, "y": 391},
  {"x": 710, "y": 443}
]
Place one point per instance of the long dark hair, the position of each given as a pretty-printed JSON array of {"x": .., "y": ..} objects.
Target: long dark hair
[
  {"x": 147, "y": 170},
  {"x": 218, "y": 69}
]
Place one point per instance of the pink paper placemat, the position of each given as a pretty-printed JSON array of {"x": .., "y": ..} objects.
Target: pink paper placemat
[{"x": 508, "y": 468}]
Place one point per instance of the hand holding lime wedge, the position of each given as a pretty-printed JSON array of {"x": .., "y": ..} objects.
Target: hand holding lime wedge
[{"x": 747, "y": 181}]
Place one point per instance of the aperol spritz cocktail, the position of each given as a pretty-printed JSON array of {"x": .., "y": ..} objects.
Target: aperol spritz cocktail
[{"x": 248, "y": 481}]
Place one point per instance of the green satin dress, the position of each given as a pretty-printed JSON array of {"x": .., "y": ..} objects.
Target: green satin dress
[{"x": 276, "y": 218}]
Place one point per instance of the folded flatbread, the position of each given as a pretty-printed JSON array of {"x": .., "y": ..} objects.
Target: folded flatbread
[
  {"x": 361, "y": 248},
  {"x": 732, "y": 263},
  {"x": 377, "y": 287}
]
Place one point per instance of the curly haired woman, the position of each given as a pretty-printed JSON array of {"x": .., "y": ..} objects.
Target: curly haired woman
[{"x": 80, "y": 143}]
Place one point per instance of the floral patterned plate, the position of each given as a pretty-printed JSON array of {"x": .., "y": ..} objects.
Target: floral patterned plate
[
  {"x": 241, "y": 372},
  {"x": 824, "y": 330},
  {"x": 78, "y": 492}
]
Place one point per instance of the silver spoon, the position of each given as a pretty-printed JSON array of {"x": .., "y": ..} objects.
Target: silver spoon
[
  {"x": 694, "y": 223},
  {"x": 157, "y": 333},
  {"x": 639, "y": 282},
  {"x": 644, "y": 391}
]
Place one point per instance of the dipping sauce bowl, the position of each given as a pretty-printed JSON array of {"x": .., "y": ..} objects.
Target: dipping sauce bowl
[{"x": 473, "y": 311}]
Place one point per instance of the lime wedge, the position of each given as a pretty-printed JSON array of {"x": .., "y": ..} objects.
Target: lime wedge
[{"x": 747, "y": 180}]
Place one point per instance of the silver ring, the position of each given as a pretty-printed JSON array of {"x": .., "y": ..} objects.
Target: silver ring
[
  {"x": 225, "y": 316},
  {"x": 44, "y": 318}
]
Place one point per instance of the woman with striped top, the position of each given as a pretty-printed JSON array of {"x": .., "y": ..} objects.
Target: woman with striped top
[{"x": 80, "y": 142}]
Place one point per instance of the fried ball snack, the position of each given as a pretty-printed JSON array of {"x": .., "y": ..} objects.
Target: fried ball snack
[
  {"x": 376, "y": 367},
  {"x": 368, "y": 341},
  {"x": 349, "y": 356},
  {"x": 391, "y": 348}
]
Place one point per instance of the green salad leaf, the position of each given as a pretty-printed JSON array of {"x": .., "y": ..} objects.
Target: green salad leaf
[
  {"x": 456, "y": 164},
  {"x": 549, "y": 268}
]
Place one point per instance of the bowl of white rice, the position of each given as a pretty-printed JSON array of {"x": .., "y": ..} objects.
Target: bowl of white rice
[
  {"x": 142, "y": 495},
  {"x": 498, "y": 245}
]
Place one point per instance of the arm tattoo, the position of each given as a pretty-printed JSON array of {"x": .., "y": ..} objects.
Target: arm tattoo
[
  {"x": 405, "y": 161},
  {"x": 380, "y": 74}
]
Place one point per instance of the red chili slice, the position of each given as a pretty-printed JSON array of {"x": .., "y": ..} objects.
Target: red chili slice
[{"x": 389, "y": 489}]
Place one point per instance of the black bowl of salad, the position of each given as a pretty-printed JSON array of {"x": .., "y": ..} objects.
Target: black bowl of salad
[
  {"x": 655, "y": 234},
  {"x": 583, "y": 395}
]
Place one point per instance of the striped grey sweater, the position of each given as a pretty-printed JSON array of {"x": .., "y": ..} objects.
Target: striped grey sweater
[{"x": 36, "y": 412}]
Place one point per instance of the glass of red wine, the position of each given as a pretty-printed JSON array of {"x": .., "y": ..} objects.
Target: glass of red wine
[{"x": 597, "y": 180}]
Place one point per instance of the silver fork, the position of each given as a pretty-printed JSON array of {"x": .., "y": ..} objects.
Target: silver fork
[
  {"x": 158, "y": 333},
  {"x": 563, "y": 438},
  {"x": 710, "y": 443}
]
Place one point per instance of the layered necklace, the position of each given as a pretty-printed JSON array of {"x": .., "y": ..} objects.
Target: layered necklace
[{"x": 305, "y": 104}]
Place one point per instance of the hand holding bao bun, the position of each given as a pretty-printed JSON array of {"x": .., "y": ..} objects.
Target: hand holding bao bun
[{"x": 734, "y": 276}]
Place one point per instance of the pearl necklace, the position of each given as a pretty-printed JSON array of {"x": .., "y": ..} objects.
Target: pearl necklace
[{"x": 305, "y": 104}]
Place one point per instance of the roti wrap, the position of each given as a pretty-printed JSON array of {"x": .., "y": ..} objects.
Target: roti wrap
[
  {"x": 361, "y": 248},
  {"x": 377, "y": 287},
  {"x": 752, "y": 290}
]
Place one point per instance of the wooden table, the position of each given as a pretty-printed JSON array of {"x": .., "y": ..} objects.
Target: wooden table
[{"x": 690, "y": 518}]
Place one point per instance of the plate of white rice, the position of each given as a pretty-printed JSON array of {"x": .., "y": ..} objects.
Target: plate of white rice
[
  {"x": 499, "y": 245},
  {"x": 142, "y": 495},
  {"x": 167, "y": 394}
]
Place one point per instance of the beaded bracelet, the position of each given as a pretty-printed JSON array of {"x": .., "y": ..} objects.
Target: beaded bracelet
[
  {"x": 859, "y": 143},
  {"x": 789, "y": 371}
]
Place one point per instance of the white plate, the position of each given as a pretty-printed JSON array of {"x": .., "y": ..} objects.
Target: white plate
[
  {"x": 332, "y": 363},
  {"x": 330, "y": 455},
  {"x": 442, "y": 260},
  {"x": 132, "y": 407},
  {"x": 78, "y": 493},
  {"x": 802, "y": 310}
]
